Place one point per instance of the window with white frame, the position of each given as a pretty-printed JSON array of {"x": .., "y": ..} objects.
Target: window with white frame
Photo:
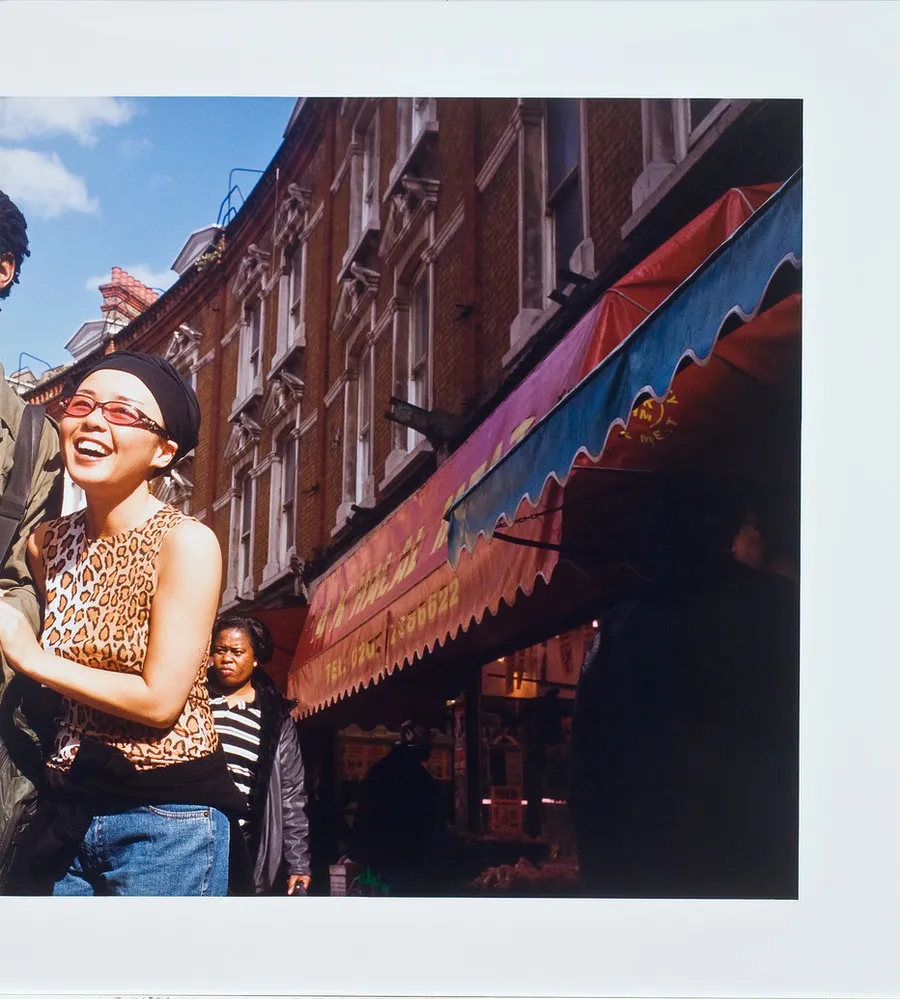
[
  {"x": 564, "y": 207},
  {"x": 176, "y": 486},
  {"x": 249, "y": 289},
  {"x": 282, "y": 504},
  {"x": 699, "y": 110},
  {"x": 419, "y": 349},
  {"x": 415, "y": 116},
  {"x": 287, "y": 449},
  {"x": 370, "y": 173},
  {"x": 364, "y": 200},
  {"x": 364, "y": 424},
  {"x": 244, "y": 519},
  {"x": 691, "y": 118},
  {"x": 670, "y": 131},
  {"x": 250, "y": 368},
  {"x": 291, "y": 299}
]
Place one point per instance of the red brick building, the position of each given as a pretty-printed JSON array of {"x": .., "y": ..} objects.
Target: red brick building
[
  {"x": 422, "y": 250},
  {"x": 409, "y": 248}
]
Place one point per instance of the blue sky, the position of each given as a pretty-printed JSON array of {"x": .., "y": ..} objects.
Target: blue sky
[{"x": 109, "y": 182}]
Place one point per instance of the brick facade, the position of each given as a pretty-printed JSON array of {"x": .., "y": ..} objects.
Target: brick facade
[{"x": 465, "y": 233}]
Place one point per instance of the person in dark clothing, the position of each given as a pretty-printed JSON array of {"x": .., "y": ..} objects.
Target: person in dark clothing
[
  {"x": 270, "y": 855},
  {"x": 685, "y": 727},
  {"x": 27, "y": 710},
  {"x": 397, "y": 825}
]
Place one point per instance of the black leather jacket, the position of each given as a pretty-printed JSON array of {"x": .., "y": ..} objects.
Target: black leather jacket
[{"x": 279, "y": 824}]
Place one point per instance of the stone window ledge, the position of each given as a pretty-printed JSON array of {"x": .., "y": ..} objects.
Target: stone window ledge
[
  {"x": 275, "y": 572},
  {"x": 400, "y": 464}
]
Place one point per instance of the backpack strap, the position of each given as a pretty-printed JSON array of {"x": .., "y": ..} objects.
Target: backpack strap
[{"x": 14, "y": 501}]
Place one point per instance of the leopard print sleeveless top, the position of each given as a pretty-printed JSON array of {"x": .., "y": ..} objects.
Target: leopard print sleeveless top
[{"x": 99, "y": 596}]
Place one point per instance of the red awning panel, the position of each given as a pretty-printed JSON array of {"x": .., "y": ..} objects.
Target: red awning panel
[
  {"x": 423, "y": 613},
  {"x": 755, "y": 363},
  {"x": 285, "y": 624},
  {"x": 396, "y": 596},
  {"x": 645, "y": 287}
]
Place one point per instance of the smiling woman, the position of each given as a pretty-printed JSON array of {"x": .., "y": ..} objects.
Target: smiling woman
[{"x": 131, "y": 586}]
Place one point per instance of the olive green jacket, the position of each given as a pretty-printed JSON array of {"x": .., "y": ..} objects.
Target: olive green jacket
[
  {"x": 45, "y": 503},
  {"x": 18, "y": 588}
]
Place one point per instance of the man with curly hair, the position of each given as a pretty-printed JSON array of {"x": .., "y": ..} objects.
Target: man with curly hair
[{"x": 17, "y": 741}]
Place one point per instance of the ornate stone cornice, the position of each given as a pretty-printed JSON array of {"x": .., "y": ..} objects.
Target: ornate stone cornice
[
  {"x": 290, "y": 219},
  {"x": 408, "y": 211},
  {"x": 251, "y": 270},
  {"x": 244, "y": 434},
  {"x": 358, "y": 291},
  {"x": 284, "y": 391}
]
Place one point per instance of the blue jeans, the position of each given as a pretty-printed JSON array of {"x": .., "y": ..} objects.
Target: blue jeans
[{"x": 152, "y": 850}]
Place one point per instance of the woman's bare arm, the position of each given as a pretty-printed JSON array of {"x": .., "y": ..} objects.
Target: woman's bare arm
[{"x": 189, "y": 572}]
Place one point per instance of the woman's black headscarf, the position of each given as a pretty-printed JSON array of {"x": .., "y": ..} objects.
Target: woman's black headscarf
[{"x": 176, "y": 399}]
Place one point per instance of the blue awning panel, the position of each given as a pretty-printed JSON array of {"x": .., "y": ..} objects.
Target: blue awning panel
[{"x": 731, "y": 282}]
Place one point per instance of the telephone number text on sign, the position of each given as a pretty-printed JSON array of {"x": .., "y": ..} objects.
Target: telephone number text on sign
[
  {"x": 437, "y": 603},
  {"x": 361, "y": 652},
  {"x": 367, "y": 651}
]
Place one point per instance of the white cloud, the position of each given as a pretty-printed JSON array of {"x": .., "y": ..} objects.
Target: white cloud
[
  {"x": 80, "y": 117},
  {"x": 150, "y": 277},
  {"x": 132, "y": 149},
  {"x": 41, "y": 183}
]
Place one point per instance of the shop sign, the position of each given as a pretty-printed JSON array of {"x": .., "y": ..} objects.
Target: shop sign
[
  {"x": 506, "y": 810},
  {"x": 353, "y": 760},
  {"x": 358, "y": 754}
]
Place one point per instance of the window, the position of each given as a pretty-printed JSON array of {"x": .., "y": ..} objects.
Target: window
[
  {"x": 404, "y": 127},
  {"x": 254, "y": 322},
  {"x": 291, "y": 296},
  {"x": 249, "y": 289},
  {"x": 671, "y": 131},
  {"x": 416, "y": 124},
  {"x": 246, "y": 532},
  {"x": 282, "y": 505},
  {"x": 421, "y": 113},
  {"x": 419, "y": 329},
  {"x": 370, "y": 174},
  {"x": 297, "y": 276},
  {"x": 563, "y": 130},
  {"x": 251, "y": 350},
  {"x": 415, "y": 115},
  {"x": 244, "y": 518},
  {"x": 364, "y": 200},
  {"x": 288, "y": 490},
  {"x": 364, "y": 424},
  {"x": 699, "y": 110}
]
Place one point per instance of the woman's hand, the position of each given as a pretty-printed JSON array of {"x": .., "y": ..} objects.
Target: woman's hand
[
  {"x": 16, "y": 637},
  {"x": 298, "y": 879}
]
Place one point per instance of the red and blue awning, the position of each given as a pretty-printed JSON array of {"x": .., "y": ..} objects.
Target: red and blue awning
[
  {"x": 729, "y": 288},
  {"x": 395, "y": 597}
]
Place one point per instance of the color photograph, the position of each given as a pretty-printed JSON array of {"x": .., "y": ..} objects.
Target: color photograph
[{"x": 404, "y": 502}]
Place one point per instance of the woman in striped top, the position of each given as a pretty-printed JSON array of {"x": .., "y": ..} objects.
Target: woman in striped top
[{"x": 261, "y": 744}]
